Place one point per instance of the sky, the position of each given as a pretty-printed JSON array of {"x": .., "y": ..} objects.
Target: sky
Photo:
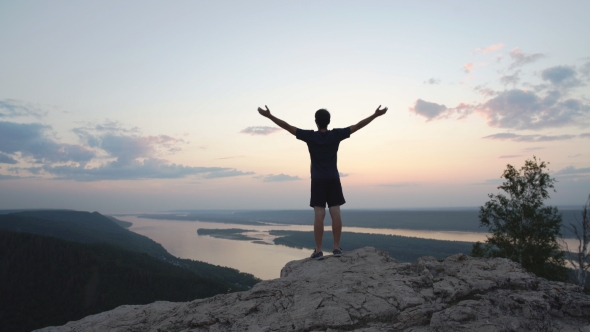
[{"x": 134, "y": 106}]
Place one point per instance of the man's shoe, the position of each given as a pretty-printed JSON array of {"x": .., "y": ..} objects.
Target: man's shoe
[
  {"x": 317, "y": 255},
  {"x": 337, "y": 252}
]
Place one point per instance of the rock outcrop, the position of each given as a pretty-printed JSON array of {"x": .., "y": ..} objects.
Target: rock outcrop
[{"x": 367, "y": 290}]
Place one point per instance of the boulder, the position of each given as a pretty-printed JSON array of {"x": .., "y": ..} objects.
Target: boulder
[{"x": 367, "y": 290}]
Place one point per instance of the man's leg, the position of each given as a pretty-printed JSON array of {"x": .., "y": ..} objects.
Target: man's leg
[
  {"x": 336, "y": 225},
  {"x": 318, "y": 226}
]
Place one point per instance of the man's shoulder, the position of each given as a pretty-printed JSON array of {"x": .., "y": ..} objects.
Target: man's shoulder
[
  {"x": 342, "y": 132},
  {"x": 341, "y": 129},
  {"x": 303, "y": 133}
]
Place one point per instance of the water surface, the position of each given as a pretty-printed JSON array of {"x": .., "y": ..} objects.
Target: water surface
[{"x": 264, "y": 261}]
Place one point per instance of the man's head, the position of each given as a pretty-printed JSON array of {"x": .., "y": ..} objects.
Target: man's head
[{"x": 322, "y": 118}]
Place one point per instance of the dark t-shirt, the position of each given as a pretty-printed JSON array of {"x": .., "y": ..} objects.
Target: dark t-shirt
[{"x": 323, "y": 150}]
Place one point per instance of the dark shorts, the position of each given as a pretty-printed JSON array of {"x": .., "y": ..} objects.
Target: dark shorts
[{"x": 326, "y": 191}]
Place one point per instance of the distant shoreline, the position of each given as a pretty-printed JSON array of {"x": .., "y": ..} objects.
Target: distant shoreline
[{"x": 448, "y": 220}]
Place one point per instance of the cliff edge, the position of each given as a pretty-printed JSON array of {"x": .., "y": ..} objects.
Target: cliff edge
[{"x": 367, "y": 290}]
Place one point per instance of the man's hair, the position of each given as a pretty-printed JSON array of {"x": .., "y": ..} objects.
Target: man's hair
[{"x": 322, "y": 118}]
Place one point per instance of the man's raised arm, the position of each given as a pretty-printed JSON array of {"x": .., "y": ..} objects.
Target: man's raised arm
[
  {"x": 279, "y": 122},
  {"x": 378, "y": 112}
]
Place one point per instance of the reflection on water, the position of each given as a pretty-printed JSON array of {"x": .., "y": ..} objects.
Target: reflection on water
[{"x": 180, "y": 238}]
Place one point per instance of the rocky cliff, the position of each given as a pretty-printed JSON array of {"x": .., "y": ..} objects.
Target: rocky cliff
[{"x": 366, "y": 290}]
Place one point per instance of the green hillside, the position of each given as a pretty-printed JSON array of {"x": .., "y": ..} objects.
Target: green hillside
[
  {"x": 86, "y": 227},
  {"x": 124, "y": 224},
  {"x": 83, "y": 227},
  {"x": 47, "y": 281}
]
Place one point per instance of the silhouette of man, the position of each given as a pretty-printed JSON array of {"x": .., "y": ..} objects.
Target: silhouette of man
[{"x": 325, "y": 178}]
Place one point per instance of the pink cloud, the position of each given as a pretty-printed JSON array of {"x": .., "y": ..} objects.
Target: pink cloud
[
  {"x": 515, "y": 108},
  {"x": 520, "y": 59},
  {"x": 427, "y": 109},
  {"x": 492, "y": 48},
  {"x": 468, "y": 67}
]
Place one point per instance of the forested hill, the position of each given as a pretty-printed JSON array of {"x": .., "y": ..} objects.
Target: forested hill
[
  {"x": 46, "y": 281},
  {"x": 124, "y": 224},
  {"x": 86, "y": 227},
  {"x": 79, "y": 226}
]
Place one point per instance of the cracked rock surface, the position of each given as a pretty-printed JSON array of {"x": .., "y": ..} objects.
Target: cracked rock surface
[{"x": 367, "y": 290}]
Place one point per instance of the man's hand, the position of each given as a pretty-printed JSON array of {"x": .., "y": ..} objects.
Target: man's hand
[
  {"x": 378, "y": 111},
  {"x": 267, "y": 112},
  {"x": 279, "y": 122}
]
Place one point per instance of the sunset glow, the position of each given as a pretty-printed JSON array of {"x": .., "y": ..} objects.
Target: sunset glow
[{"x": 129, "y": 106}]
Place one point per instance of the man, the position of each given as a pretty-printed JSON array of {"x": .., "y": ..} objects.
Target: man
[{"x": 325, "y": 178}]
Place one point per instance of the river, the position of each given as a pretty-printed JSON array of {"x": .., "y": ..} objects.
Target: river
[{"x": 264, "y": 261}]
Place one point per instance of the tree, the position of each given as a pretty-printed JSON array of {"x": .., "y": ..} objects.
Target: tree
[
  {"x": 523, "y": 229},
  {"x": 581, "y": 259}
]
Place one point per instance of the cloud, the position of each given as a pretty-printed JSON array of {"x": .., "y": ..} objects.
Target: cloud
[
  {"x": 126, "y": 147},
  {"x": 510, "y": 156},
  {"x": 106, "y": 126},
  {"x": 9, "y": 177},
  {"x": 491, "y": 48},
  {"x": 535, "y": 148},
  {"x": 110, "y": 126},
  {"x": 6, "y": 159},
  {"x": 126, "y": 144},
  {"x": 398, "y": 184},
  {"x": 485, "y": 90},
  {"x": 427, "y": 109},
  {"x": 572, "y": 170},
  {"x": 32, "y": 170},
  {"x": 11, "y": 108},
  {"x": 32, "y": 140},
  {"x": 260, "y": 130},
  {"x": 546, "y": 104},
  {"x": 432, "y": 81},
  {"x": 494, "y": 47},
  {"x": 521, "y": 109},
  {"x": 225, "y": 174},
  {"x": 582, "y": 179},
  {"x": 520, "y": 59},
  {"x": 489, "y": 182},
  {"x": 517, "y": 109},
  {"x": 150, "y": 168},
  {"x": 468, "y": 67},
  {"x": 585, "y": 135},
  {"x": 280, "y": 178},
  {"x": 342, "y": 175},
  {"x": 108, "y": 152},
  {"x": 529, "y": 138},
  {"x": 575, "y": 155},
  {"x": 511, "y": 79},
  {"x": 561, "y": 76},
  {"x": 230, "y": 157},
  {"x": 585, "y": 70}
]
